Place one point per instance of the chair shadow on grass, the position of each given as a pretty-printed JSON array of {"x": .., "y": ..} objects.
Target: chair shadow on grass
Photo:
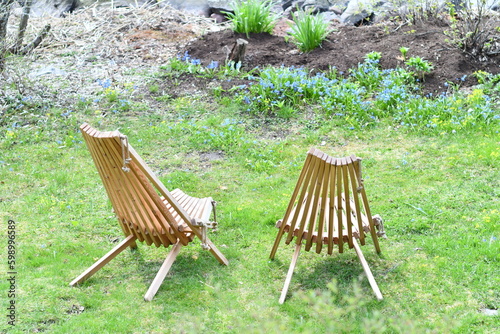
[
  {"x": 139, "y": 266},
  {"x": 315, "y": 274}
]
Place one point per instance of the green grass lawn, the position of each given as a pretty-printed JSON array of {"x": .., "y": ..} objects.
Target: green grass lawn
[{"x": 438, "y": 193}]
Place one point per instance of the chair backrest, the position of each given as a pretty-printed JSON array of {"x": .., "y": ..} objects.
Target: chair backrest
[
  {"x": 144, "y": 207},
  {"x": 329, "y": 204}
]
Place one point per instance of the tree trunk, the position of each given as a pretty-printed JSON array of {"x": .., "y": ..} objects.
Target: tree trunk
[
  {"x": 5, "y": 7},
  {"x": 22, "y": 25}
]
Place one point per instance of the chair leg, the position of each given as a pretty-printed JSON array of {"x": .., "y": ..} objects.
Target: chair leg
[
  {"x": 128, "y": 241},
  {"x": 162, "y": 273},
  {"x": 216, "y": 253},
  {"x": 367, "y": 270},
  {"x": 290, "y": 273}
]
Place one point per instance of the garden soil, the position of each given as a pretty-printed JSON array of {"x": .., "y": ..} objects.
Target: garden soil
[{"x": 347, "y": 46}]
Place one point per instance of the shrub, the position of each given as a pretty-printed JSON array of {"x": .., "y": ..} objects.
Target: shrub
[
  {"x": 309, "y": 30},
  {"x": 473, "y": 30},
  {"x": 252, "y": 16}
]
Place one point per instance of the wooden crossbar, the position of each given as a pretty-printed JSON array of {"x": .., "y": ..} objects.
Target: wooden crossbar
[
  {"x": 145, "y": 209},
  {"x": 328, "y": 207}
]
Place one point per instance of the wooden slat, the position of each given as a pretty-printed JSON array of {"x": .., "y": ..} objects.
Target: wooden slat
[
  {"x": 116, "y": 205},
  {"x": 357, "y": 208},
  {"x": 340, "y": 243},
  {"x": 171, "y": 200},
  {"x": 168, "y": 197},
  {"x": 120, "y": 203},
  {"x": 126, "y": 180},
  {"x": 152, "y": 205},
  {"x": 316, "y": 199},
  {"x": 332, "y": 214},
  {"x": 324, "y": 203},
  {"x": 367, "y": 210},
  {"x": 310, "y": 187},
  {"x": 347, "y": 203},
  {"x": 302, "y": 198},
  {"x": 168, "y": 222},
  {"x": 145, "y": 202},
  {"x": 111, "y": 172},
  {"x": 291, "y": 205}
]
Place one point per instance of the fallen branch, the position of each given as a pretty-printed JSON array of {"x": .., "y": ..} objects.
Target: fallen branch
[{"x": 28, "y": 48}]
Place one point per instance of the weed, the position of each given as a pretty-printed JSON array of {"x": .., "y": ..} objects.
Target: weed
[
  {"x": 404, "y": 52},
  {"x": 252, "y": 16},
  {"x": 419, "y": 66},
  {"x": 308, "y": 30}
]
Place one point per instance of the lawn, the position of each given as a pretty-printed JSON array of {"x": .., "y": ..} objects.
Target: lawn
[
  {"x": 430, "y": 168},
  {"x": 437, "y": 193}
]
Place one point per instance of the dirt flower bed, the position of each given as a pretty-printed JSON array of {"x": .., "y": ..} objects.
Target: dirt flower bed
[{"x": 127, "y": 45}]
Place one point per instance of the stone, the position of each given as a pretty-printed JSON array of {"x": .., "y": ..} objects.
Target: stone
[
  {"x": 194, "y": 7},
  {"x": 490, "y": 312},
  {"x": 56, "y": 8},
  {"x": 357, "y": 11},
  {"x": 49, "y": 70},
  {"x": 219, "y": 5}
]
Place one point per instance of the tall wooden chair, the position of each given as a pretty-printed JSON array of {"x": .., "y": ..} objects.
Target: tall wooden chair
[
  {"x": 145, "y": 209},
  {"x": 329, "y": 207}
]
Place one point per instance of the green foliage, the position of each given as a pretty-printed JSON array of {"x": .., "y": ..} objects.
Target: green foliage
[
  {"x": 368, "y": 96},
  {"x": 473, "y": 29},
  {"x": 404, "y": 52},
  {"x": 419, "y": 66},
  {"x": 308, "y": 30},
  {"x": 373, "y": 57},
  {"x": 252, "y": 16},
  {"x": 186, "y": 64}
]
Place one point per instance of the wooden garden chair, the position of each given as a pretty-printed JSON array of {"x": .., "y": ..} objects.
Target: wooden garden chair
[
  {"x": 145, "y": 209},
  {"x": 329, "y": 207}
]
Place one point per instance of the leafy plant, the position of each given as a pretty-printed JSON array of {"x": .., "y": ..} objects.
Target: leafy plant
[
  {"x": 308, "y": 30},
  {"x": 253, "y": 16},
  {"x": 373, "y": 57},
  {"x": 404, "y": 52},
  {"x": 419, "y": 66},
  {"x": 473, "y": 30},
  {"x": 490, "y": 84}
]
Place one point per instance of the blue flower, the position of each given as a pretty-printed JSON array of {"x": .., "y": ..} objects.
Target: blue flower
[
  {"x": 104, "y": 83},
  {"x": 186, "y": 56},
  {"x": 213, "y": 64}
]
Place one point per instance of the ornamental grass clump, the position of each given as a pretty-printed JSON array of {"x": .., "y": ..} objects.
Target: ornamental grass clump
[
  {"x": 253, "y": 16},
  {"x": 308, "y": 30}
]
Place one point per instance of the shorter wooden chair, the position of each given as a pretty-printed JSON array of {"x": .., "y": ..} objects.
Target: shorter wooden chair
[
  {"x": 329, "y": 207},
  {"x": 145, "y": 209}
]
